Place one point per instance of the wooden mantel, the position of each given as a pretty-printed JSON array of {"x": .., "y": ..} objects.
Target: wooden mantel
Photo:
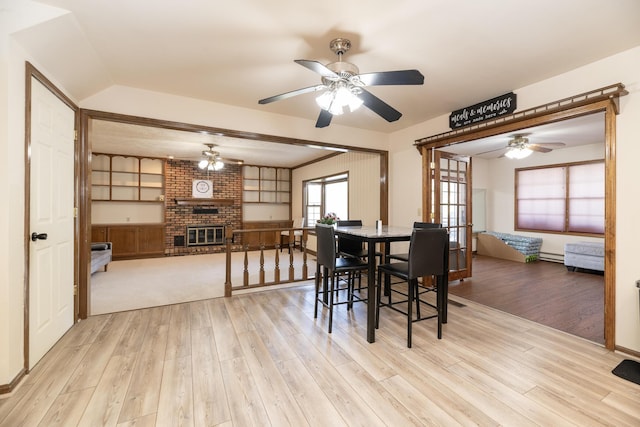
[{"x": 196, "y": 201}]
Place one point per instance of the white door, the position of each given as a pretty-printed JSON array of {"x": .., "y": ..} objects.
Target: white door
[{"x": 51, "y": 262}]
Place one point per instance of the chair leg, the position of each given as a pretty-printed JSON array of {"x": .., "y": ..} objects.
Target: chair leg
[
  {"x": 351, "y": 283},
  {"x": 417, "y": 298},
  {"x": 440, "y": 304},
  {"x": 333, "y": 282},
  {"x": 378, "y": 292},
  {"x": 315, "y": 308},
  {"x": 409, "y": 311}
]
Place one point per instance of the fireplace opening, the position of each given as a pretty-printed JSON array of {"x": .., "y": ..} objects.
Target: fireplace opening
[{"x": 205, "y": 235}]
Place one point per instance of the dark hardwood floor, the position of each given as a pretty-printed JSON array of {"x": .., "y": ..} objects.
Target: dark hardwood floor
[{"x": 544, "y": 292}]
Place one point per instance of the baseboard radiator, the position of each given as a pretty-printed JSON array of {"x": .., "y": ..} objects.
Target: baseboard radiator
[{"x": 548, "y": 256}]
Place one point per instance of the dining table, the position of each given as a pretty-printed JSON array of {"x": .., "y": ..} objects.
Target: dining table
[{"x": 372, "y": 235}]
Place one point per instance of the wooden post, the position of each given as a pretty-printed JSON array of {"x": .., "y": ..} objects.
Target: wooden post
[
  {"x": 245, "y": 273},
  {"x": 227, "y": 282},
  {"x": 303, "y": 243}
]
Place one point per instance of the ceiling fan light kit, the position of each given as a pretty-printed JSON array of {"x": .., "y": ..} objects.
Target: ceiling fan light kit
[
  {"x": 335, "y": 100},
  {"x": 211, "y": 165},
  {"x": 518, "y": 153},
  {"x": 212, "y": 160},
  {"x": 343, "y": 86},
  {"x": 519, "y": 147}
]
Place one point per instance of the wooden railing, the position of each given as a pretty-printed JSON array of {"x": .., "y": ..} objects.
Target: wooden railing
[{"x": 268, "y": 253}]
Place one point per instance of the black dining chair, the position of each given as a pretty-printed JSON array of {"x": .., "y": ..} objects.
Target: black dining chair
[
  {"x": 405, "y": 256},
  {"x": 351, "y": 248},
  {"x": 428, "y": 258},
  {"x": 333, "y": 266}
]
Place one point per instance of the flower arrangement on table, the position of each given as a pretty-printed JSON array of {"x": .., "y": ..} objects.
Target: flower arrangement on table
[{"x": 330, "y": 218}]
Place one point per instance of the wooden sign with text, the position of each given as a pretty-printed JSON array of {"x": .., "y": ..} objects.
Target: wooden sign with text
[{"x": 496, "y": 107}]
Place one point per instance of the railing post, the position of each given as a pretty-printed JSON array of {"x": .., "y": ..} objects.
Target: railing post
[
  {"x": 261, "y": 280},
  {"x": 264, "y": 257},
  {"x": 227, "y": 281},
  {"x": 303, "y": 243},
  {"x": 276, "y": 270},
  {"x": 245, "y": 272}
]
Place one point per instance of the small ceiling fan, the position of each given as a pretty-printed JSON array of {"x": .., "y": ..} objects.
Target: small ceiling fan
[
  {"x": 212, "y": 160},
  {"x": 343, "y": 86},
  {"x": 519, "y": 147}
]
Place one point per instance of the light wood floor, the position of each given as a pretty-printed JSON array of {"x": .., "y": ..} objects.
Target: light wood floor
[{"x": 261, "y": 359}]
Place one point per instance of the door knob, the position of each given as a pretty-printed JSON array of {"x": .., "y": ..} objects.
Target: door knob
[{"x": 41, "y": 236}]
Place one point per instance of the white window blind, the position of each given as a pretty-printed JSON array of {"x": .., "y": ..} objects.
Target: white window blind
[
  {"x": 541, "y": 199},
  {"x": 586, "y": 198},
  {"x": 567, "y": 198}
]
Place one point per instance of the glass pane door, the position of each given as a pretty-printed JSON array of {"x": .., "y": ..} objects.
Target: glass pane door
[{"x": 452, "y": 208}]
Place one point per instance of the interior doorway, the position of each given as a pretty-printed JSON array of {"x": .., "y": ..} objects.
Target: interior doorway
[
  {"x": 571, "y": 140},
  {"x": 604, "y": 100},
  {"x": 50, "y": 306}
]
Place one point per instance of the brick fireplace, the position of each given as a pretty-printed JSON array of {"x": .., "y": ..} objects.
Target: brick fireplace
[{"x": 227, "y": 187}]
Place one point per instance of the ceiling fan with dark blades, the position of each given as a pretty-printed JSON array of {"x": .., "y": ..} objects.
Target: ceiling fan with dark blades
[
  {"x": 519, "y": 147},
  {"x": 344, "y": 86}
]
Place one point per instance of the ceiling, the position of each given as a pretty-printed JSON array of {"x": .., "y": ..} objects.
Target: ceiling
[
  {"x": 238, "y": 52},
  {"x": 138, "y": 140},
  {"x": 574, "y": 132}
]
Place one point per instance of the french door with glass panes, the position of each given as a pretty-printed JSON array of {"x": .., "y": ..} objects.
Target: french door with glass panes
[{"x": 449, "y": 202}]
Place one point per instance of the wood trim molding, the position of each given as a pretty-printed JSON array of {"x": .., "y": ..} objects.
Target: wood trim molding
[
  {"x": 546, "y": 113},
  {"x": 33, "y": 73},
  {"x": 84, "y": 203},
  {"x": 8, "y": 388},
  {"x": 605, "y": 99}
]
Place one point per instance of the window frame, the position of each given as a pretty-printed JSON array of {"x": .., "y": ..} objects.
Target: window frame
[
  {"x": 322, "y": 181},
  {"x": 567, "y": 198}
]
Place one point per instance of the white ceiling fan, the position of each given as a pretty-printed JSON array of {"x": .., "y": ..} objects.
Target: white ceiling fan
[
  {"x": 212, "y": 160},
  {"x": 519, "y": 147}
]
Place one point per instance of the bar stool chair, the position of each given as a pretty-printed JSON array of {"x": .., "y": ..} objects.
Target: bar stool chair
[
  {"x": 350, "y": 248},
  {"x": 333, "y": 266},
  {"x": 295, "y": 235},
  {"x": 405, "y": 256},
  {"x": 428, "y": 256}
]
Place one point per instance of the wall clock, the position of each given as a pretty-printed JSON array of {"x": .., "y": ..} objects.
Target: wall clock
[{"x": 202, "y": 188}]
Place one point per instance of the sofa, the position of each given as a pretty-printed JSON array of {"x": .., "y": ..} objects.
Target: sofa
[
  {"x": 584, "y": 255},
  {"x": 100, "y": 256}
]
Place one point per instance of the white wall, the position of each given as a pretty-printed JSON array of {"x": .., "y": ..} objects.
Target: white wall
[
  {"x": 364, "y": 185},
  {"x": 113, "y": 212},
  {"x": 265, "y": 211},
  {"x": 143, "y": 103},
  {"x": 622, "y": 68},
  {"x": 12, "y": 220},
  {"x": 500, "y": 192}
]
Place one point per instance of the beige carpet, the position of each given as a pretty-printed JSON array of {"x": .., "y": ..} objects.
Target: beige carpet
[{"x": 141, "y": 283}]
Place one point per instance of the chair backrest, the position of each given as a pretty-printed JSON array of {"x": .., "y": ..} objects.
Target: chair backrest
[
  {"x": 349, "y": 246},
  {"x": 298, "y": 222},
  {"x": 427, "y": 225},
  {"x": 428, "y": 252},
  {"x": 326, "y": 246},
  {"x": 350, "y": 223}
]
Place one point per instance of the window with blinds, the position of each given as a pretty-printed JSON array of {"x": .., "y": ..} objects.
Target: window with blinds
[{"x": 565, "y": 198}]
